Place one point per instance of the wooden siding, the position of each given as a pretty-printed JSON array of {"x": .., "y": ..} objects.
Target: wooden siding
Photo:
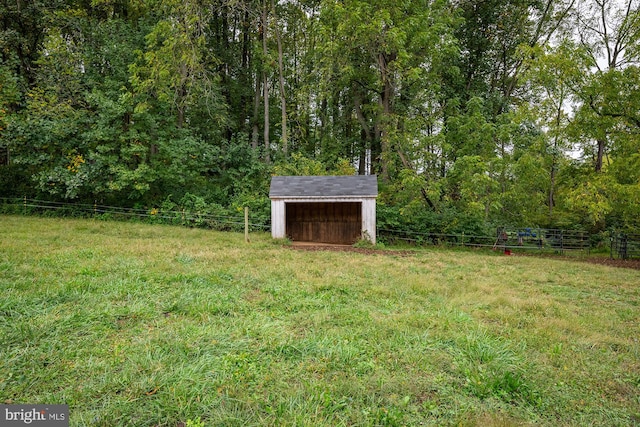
[
  {"x": 278, "y": 230},
  {"x": 369, "y": 220},
  {"x": 324, "y": 222}
]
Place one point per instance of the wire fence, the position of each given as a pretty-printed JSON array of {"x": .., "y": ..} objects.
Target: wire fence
[
  {"x": 623, "y": 246},
  {"x": 184, "y": 217},
  {"x": 391, "y": 237},
  {"x": 506, "y": 239}
]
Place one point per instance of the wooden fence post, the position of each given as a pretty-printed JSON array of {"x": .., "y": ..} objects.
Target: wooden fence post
[{"x": 246, "y": 224}]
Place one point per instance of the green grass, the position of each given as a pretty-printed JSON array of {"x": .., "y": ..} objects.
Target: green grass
[{"x": 146, "y": 325}]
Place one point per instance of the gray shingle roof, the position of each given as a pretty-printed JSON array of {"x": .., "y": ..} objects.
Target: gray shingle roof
[{"x": 324, "y": 186}]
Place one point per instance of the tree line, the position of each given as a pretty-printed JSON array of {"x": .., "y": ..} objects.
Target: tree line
[{"x": 472, "y": 113}]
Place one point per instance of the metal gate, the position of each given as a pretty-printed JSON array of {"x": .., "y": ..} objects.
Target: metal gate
[{"x": 625, "y": 246}]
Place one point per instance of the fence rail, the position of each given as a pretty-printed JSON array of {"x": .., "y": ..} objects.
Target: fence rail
[
  {"x": 545, "y": 238},
  {"x": 625, "y": 246},
  {"x": 505, "y": 239},
  {"x": 421, "y": 239}
]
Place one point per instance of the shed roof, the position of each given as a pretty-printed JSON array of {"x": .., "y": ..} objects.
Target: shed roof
[{"x": 324, "y": 186}]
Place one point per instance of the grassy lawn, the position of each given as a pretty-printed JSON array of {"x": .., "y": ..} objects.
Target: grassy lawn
[{"x": 144, "y": 325}]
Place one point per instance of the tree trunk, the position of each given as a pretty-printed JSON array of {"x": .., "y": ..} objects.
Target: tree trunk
[
  {"x": 324, "y": 108},
  {"x": 552, "y": 188},
  {"x": 283, "y": 101},
  {"x": 182, "y": 95},
  {"x": 256, "y": 108},
  {"x": 265, "y": 95},
  {"x": 362, "y": 158},
  {"x": 600, "y": 155},
  {"x": 386, "y": 97},
  {"x": 265, "y": 83},
  {"x": 365, "y": 134},
  {"x": 245, "y": 97}
]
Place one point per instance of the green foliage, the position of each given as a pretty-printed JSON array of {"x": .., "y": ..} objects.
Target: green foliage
[
  {"x": 469, "y": 114},
  {"x": 45, "y": 139},
  {"x": 424, "y": 221},
  {"x": 194, "y": 211},
  {"x": 300, "y": 165},
  {"x": 235, "y": 168},
  {"x": 259, "y": 206},
  {"x": 590, "y": 201},
  {"x": 15, "y": 181}
]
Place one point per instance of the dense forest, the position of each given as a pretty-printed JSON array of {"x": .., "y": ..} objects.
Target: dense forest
[{"x": 472, "y": 113}]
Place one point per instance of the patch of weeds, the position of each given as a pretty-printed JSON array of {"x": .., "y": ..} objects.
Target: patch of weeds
[
  {"x": 240, "y": 368},
  {"x": 197, "y": 303},
  {"x": 492, "y": 368},
  {"x": 195, "y": 423},
  {"x": 365, "y": 243},
  {"x": 330, "y": 403},
  {"x": 184, "y": 259},
  {"x": 285, "y": 241},
  {"x": 388, "y": 417},
  {"x": 391, "y": 414}
]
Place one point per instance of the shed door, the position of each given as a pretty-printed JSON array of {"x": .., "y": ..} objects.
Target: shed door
[{"x": 338, "y": 223}]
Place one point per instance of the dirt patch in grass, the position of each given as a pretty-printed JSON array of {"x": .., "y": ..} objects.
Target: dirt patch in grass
[{"x": 315, "y": 247}]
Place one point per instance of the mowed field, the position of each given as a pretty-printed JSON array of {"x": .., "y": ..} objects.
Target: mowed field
[{"x": 149, "y": 325}]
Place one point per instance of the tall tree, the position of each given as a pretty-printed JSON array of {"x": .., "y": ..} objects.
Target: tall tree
[
  {"x": 382, "y": 52},
  {"x": 553, "y": 73},
  {"x": 610, "y": 32},
  {"x": 174, "y": 65}
]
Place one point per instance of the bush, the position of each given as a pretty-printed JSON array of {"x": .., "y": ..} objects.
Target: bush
[
  {"x": 15, "y": 181},
  {"x": 259, "y": 209},
  {"x": 194, "y": 211}
]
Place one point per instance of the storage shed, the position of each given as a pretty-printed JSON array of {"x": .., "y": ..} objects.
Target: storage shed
[{"x": 324, "y": 209}]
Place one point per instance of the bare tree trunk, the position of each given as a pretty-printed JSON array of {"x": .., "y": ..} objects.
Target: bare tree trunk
[
  {"x": 265, "y": 95},
  {"x": 385, "y": 101},
  {"x": 265, "y": 84},
  {"x": 362, "y": 157},
  {"x": 365, "y": 134},
  {"x": 246, "y": 74},
  {"x": 552, "y": 187},
  {"x": 182, "y": 94},
  {"x": 283, "y": 101},
  {"x": 256, "y": 108}
]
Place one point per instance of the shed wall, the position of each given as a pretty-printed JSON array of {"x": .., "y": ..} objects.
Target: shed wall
[
  {"x": 369, "y": 220},
  {"x": 278, "y": 230}
]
